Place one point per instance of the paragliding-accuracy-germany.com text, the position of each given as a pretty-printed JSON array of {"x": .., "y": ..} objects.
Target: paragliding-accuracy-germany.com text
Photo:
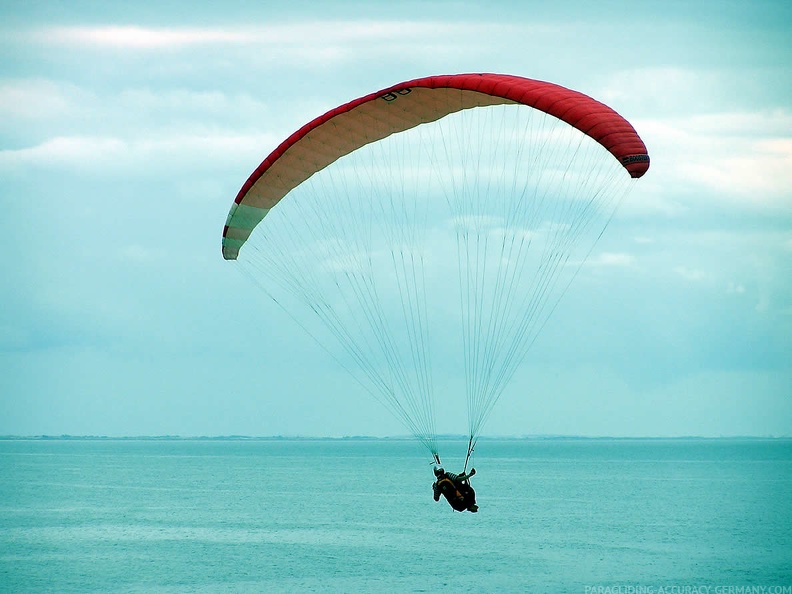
[{"x": 687, "y": 589}]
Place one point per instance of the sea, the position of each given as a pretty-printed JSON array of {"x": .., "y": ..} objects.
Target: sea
[{"x": 592, "y": 516}]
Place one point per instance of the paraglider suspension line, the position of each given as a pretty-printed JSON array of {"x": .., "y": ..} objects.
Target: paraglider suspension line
[{"x": 471, "y": 446}]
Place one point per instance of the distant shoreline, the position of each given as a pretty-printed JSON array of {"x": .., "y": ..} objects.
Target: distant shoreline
[{"x": 388, "y": 438}]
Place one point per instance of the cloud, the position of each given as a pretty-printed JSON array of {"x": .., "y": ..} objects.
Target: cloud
[
  {"x": 37, "y": 98},
  {"x": 54, "y": 107},
  {"x": 324, "y": 37},
  {"x": 657, "y": 90},
  {"x": 100, "y": 155},
  {"x": 773, "y": 123},
  {"x": 284, "y": 48},
  {"x": 742, "y": 159},
  {"x": 138, "y": 254},
  {"x": 701, "y": 145},
  {"x": 691, "y": 274},
  {"x": 611, "y": 259},
  {"x": 136, "y": 37},
  {"x": 68, "y": 151}
]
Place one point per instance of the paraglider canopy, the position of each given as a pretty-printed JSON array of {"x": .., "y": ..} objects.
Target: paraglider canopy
[{"x": 406, "y": 105}]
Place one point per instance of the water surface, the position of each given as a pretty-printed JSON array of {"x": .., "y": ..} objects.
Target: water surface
[{"x": 358, "y": 516}]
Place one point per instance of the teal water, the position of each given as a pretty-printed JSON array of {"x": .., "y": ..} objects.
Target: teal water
[{"x": 358, "y": 516}]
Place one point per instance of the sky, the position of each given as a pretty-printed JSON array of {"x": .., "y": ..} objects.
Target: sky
[{"x": 127, "y": 129}]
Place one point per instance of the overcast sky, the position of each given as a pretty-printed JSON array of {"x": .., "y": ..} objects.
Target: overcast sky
[{"x": 127, "y": 129}]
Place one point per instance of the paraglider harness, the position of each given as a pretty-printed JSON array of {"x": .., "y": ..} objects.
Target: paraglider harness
[{"x": 460, "y": 495}]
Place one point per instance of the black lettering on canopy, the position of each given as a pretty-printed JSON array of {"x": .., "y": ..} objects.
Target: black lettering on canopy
[
  {"x": 393, "y": 95},
  {"x": 634, "y": 159}
]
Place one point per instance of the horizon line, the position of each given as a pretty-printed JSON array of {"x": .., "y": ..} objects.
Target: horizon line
[{"x": 444, "y": 437}]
